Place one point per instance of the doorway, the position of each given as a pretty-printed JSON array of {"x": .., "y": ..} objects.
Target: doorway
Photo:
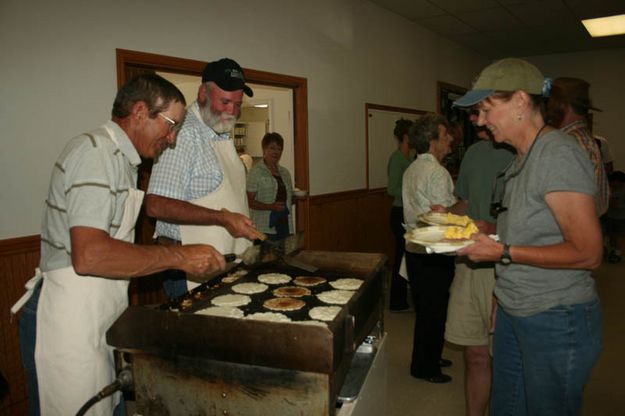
[{"x": 132, "y": 63}]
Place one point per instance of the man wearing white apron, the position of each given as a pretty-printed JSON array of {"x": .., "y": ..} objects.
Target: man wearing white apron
[
  {"x": 87, "y": 252},
  {"x": 197, "y": 190}
]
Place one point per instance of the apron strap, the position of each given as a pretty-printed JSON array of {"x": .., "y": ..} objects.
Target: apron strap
[{"x": 30, "y": 288}]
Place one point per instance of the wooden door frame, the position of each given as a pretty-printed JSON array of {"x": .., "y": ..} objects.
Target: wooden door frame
[
  {"x": 371, "y": 106},
  {"x": 129, "y": 62}
]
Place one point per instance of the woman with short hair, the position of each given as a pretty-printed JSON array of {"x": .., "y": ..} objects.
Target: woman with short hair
[
  {"x": 426, "y": 182},
  {"x": 270, "y": 191}
]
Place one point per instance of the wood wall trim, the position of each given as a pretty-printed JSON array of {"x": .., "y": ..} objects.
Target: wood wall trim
[
  {"x": 389, "y": 108},
  {"x": 371, "y": 106},
  {"x": 344, "y": 195},
  {"x": 352, "y": 221},
  {"x": 336, "y": 196},
  {"x": 19, "y": 245},
  {"x": 154, "y": 62},
  {"x": 18, "y": 259}
]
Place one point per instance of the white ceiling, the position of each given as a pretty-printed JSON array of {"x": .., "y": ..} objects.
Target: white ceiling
[{"x": 501, "y": 28}]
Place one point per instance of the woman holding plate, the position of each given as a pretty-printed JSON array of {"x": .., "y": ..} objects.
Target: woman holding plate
[
  {"x": 549, "y": 322},
  {"x": 425, "y": 183}
]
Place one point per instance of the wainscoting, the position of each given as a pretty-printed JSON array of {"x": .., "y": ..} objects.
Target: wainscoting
[
  {"x": 354, "y": 221},
  {"x": 351, "y": 221},
  {"x": 18, "y": 259}
]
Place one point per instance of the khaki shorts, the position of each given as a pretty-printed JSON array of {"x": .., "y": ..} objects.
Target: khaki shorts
[{"x": 470, "y": 305}]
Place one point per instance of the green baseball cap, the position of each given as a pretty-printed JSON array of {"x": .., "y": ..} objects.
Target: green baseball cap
[{"x": 510, "y": 74}]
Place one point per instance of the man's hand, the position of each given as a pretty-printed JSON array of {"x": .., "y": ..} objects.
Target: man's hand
[
  {"x": 198, "y": 259},
  {"x": 486, "y": 227},
  {"x": 238, "y": 225},
  {"x": 438, "y": 208},
  {"x": 278, "y": 206}
]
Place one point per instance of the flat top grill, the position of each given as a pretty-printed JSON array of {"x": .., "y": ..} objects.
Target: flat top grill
[
  {"x": 202, "y": 296},
  {"x": 173, "y": 330}
]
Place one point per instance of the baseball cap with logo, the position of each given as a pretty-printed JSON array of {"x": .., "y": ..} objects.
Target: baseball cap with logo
[
  {"x": 510, "y": 74},
  {"x": 227, "y": 74}
]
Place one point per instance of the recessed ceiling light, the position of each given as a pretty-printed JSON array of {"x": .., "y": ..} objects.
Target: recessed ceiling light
[{"x": 605, "y": 26}]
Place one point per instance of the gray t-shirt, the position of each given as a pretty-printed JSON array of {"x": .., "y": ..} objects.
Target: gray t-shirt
[
  {"x": 555, "y": 163},
  {"x": 481, "y": 166}
]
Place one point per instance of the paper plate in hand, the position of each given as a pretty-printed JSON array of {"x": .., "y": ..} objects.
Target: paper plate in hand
[
  {"x": 433, "y": 239},
  {"x": 433, "y": 218}
]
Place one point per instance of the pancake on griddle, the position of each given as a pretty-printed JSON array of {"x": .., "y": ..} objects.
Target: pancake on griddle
[
  {"x": 274, "y": 278},
  {"x": 269, "y": 316},
  {"x": 249, "y": 288},
  {"x": 284, "y": 304},
  {"x": 309, "y": 280},
  {"x": 335, "y": 297},
  {"x": 347, "y": 284},
  {"x": 231, "y": 300},
  {"x": 291, "y": 292},
  {"x": 324, "y": 313}
]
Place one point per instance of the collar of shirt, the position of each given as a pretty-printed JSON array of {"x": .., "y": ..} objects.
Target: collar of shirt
[
  {"x": 576, "y": 125},
  {"x": 430, "y": 157},
  {"x": 262, "y": 165},
  {"x": 123, "y": 143}
]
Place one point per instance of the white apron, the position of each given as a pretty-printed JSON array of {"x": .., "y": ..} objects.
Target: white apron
[
  {"x": 230, "y": 195},
  {"x": 73, "y": 359}
]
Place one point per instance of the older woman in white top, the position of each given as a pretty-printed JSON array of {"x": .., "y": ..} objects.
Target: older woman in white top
[{"x": 425, "y": 183}]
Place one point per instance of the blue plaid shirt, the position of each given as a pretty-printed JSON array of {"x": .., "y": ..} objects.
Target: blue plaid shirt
[{"x": 188, "y": 171}]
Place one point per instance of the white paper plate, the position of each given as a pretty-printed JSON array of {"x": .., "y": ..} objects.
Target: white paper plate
[
  {"x": 431, "y": 238},
  {"x": 433, "y": 218}
]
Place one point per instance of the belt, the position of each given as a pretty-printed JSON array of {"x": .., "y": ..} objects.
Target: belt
[{"x": 166, "y": 241}]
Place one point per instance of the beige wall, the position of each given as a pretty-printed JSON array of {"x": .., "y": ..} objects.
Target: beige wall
[
  {"x": 604, "y": 70},
  {"x": 58, "y": 77}
]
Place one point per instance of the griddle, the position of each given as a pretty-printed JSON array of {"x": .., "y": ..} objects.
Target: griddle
[{"x": 171, "y": 340}]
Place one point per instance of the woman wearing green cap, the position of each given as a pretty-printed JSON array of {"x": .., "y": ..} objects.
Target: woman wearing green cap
[{"x": 549, "y": 322}]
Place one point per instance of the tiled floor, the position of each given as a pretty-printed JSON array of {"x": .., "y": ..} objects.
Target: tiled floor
[{"x": 605, "y": 394}]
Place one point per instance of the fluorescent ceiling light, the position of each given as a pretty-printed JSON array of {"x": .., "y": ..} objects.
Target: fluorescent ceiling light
[
  {"x": 261, "y": 105},
  {"x": 605, "y": 26}
]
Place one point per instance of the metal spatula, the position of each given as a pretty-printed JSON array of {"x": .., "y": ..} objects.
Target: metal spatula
[{"x": 252, "y": 255}]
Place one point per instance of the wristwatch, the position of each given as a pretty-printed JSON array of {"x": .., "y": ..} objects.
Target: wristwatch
[{"x": 505, "y": 256}]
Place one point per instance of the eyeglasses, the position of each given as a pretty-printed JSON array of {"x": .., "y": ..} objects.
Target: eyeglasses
[{"x": 173, "y": 125}]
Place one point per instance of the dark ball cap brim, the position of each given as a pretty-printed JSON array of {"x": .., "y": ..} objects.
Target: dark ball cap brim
[
  {"x": 472, "y": 97},
  {"x": 234, "y": 85}
]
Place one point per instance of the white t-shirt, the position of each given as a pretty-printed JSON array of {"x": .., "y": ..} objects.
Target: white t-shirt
[{"x": 425, "y": 183}]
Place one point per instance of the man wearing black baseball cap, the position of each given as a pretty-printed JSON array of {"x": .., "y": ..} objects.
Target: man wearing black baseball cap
[
  {"x": 197, "y": 188},
  {"x": 228, "y": 75}
]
